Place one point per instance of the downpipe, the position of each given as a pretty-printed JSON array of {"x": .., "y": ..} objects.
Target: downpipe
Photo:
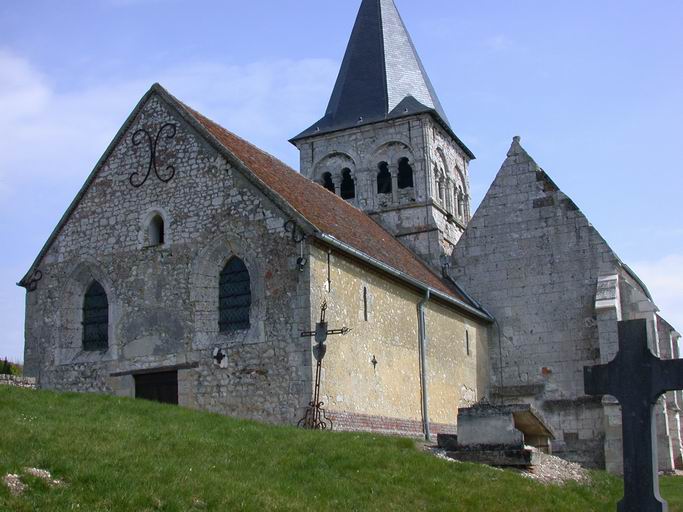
[{"x": 422, "y": 336}]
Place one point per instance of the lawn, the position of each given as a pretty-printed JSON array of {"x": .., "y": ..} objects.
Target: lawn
[{"x": 124, "y": 455}]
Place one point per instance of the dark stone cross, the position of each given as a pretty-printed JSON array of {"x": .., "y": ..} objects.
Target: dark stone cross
[
  {"x": 219, "y": 356},
  {"x": 637, "y": 379}
]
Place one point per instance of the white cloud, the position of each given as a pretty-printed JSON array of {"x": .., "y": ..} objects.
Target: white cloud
[
  {"x": 664, "y": 279},
  {"x": 50, "y": 138},
  {"x": 56, "y": 135}
]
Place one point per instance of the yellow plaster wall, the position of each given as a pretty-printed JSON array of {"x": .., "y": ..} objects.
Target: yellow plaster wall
[{"x": 349, "y": 381}]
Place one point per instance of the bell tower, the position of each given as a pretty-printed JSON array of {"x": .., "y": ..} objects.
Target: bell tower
[{"x": 385, "y": 143}]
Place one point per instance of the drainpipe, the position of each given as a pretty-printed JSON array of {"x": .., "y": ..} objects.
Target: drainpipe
[{"x": 422, "y": 335}]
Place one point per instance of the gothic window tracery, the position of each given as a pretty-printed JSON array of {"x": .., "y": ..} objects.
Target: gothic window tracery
[
  {"x": 348, "y": 186},
  {"x": 95, "y": 318},
  {"x": 384, "y": 185},
  {"x": 234, "y": 297}
]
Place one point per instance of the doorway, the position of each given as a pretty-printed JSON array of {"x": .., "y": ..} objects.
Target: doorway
[{"x": 158, "y": 387}]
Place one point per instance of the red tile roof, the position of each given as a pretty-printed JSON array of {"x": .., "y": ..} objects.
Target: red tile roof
[{"x": 326, "y": 211}]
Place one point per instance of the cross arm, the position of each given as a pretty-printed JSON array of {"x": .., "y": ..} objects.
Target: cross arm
[
  {"x": 596, "y": 379},
  {"x": 669, "y": 376},
  {"x": 343, "y": 331}
]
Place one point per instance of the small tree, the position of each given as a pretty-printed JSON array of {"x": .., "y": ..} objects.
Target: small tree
[{"x": 5, "y": 368}]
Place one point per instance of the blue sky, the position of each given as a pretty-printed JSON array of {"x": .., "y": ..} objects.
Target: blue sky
[{"x": 595, "y": 89}]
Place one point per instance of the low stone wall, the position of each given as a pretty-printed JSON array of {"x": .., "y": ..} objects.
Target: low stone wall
[{"x": 18, "y": 382}]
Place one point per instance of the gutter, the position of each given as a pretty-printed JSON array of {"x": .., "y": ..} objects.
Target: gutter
[
  {"x": 422, "y": 336},
  {"x": 402, "y": 276},
  {"x": 468, "y": 296}
]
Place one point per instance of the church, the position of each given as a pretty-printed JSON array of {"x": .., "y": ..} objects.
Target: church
[{"x": 191, "y": 265}]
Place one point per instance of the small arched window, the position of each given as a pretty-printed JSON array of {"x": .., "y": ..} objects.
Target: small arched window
[
  {"x": 405, "y": 174},
  {"x": 348, "y": 187},
  {"x": 384, "y": 179},
  {"x": 234, "y": 297},
  {"x": 328, "y": 183},
  {"x": 156, "y": 231},
  {"x": 95, "y": 318}
]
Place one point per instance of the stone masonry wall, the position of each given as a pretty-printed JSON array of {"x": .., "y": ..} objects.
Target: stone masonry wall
[
  {"x": 163, "y": 300},
  {"x": 557, "y": 291},
  {"x": 533, "y": 260},
  {"x": 17, "y": 382}
]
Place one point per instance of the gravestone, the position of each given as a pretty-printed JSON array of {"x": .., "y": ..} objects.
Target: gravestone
[{"x": 637, "y": 379}]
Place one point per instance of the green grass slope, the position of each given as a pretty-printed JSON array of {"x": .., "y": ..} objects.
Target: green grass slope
[{"x": 125, "y": 455}]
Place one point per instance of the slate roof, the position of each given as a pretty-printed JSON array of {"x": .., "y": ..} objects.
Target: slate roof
[{"x": 381, "y": 77}]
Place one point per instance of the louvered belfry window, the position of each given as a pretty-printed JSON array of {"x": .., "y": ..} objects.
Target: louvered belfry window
[
  {"x": 234, "y": 297},
  {"x": 95, "y": 318}
]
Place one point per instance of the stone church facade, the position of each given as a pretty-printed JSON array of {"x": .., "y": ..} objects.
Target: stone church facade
[
  {"x": 218, "y": 200},
  {"x": 190, "y": 263}
]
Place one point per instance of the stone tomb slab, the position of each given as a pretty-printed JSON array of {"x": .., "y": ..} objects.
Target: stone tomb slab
[{"x": 507, "y": 435}]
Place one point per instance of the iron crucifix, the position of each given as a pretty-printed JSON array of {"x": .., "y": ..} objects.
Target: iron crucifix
[
  {"x": 637, "y": 379},
  {"x": 314, "y": 417},
  {"x": 321, "y": 333}
]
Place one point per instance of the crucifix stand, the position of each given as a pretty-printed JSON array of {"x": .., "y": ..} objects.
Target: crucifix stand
[
  {"x": 637, "y": 379},
  {"x": 314, "y": 417}
]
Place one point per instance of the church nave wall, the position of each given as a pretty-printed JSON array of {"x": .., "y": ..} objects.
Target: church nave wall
[{"x": 386, "y": 396}]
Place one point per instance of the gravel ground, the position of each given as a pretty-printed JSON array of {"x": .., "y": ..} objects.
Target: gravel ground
[
  {"x": 17, "y": 487},
  {"x": 553, "y": 470},
  {"x": 14, "y": 484},
  {"x": 43, "y": 474}
]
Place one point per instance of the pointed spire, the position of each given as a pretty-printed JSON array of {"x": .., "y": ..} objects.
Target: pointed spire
[{"x": 381, "y": 76}]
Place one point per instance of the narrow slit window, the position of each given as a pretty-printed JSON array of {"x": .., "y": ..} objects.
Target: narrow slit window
[
  {"x": 365, "y": 303},
  {"x": 467, "y": 341},
  {"x": 234, "y": 297},
  {"x": 95, "y": 318},
  {"x": 405, "y": 174},
  {"x": 384, "y": 179},
  {"x": 348, "y": 187},
  {"x": 156, "y": 231}
]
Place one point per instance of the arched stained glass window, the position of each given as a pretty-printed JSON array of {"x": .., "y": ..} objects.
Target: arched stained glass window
[
  {"x": 234, "y": 297},
  {"x": 95, "y": 318}
]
